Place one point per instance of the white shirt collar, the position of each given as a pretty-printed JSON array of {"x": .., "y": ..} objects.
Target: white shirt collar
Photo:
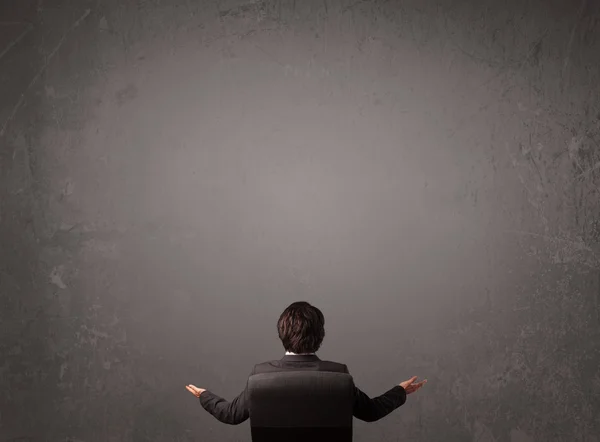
[{"x": 297, "y": 354}]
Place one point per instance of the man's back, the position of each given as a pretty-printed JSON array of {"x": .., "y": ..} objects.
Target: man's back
[
  {"x": 300, "y": 406},
  {"x": 365, "y": 408}
]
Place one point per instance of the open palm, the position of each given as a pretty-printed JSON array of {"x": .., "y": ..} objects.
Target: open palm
[
  {"x": 411, "y": 385},
  {"x": 195, "y": 390}
]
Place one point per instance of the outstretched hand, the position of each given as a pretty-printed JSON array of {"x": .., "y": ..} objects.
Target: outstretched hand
[
  {"x": 195, "y": 390},
  {"x": 411, "y": 386}
]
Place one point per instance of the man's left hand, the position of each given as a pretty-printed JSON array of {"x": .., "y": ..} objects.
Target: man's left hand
[{"x": 195, "y": 390}]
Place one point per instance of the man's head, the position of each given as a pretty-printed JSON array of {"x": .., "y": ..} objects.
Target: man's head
[{"x": 301, "y": 328}]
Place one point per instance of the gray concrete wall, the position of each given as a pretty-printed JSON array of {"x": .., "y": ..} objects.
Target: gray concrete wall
[{"x": 174, "y": 174}]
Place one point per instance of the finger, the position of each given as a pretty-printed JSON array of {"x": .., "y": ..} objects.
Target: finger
[{"x": 411, "y": 380}]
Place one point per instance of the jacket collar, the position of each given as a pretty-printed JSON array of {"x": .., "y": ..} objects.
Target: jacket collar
[{"x": 300, "y": 358}]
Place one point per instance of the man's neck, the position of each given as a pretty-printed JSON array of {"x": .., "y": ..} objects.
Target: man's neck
[{"x": 297, "y": 354}]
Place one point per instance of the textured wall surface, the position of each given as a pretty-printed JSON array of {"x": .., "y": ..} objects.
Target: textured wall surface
[{"x": 174, "y": 173}]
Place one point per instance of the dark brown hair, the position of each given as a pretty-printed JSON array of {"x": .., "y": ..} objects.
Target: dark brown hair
[{"x": 301, "y": 328}]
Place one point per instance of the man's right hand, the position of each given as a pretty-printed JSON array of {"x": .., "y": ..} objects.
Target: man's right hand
[{"x": 411, "y": 385}]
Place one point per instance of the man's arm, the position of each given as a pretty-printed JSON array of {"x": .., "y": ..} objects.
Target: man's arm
[
  {"x": 371, "y": 410},
  {"x": 232, "y": 413}
]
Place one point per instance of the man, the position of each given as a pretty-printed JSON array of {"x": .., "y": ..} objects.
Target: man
[{"x": 301, "y": 328}]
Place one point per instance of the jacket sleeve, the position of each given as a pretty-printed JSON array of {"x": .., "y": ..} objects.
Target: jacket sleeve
[
  {"x": 372, "y": 409},
  {"x": 232, "y": 413}
]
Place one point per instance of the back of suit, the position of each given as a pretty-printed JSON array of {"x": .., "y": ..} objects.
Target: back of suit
[{"x": 365, "y": 408}]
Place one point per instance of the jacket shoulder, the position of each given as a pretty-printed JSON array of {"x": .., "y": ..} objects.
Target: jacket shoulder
[
  {"x": 266, "y": 367},
  {"x": 333, "y": 366}
]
